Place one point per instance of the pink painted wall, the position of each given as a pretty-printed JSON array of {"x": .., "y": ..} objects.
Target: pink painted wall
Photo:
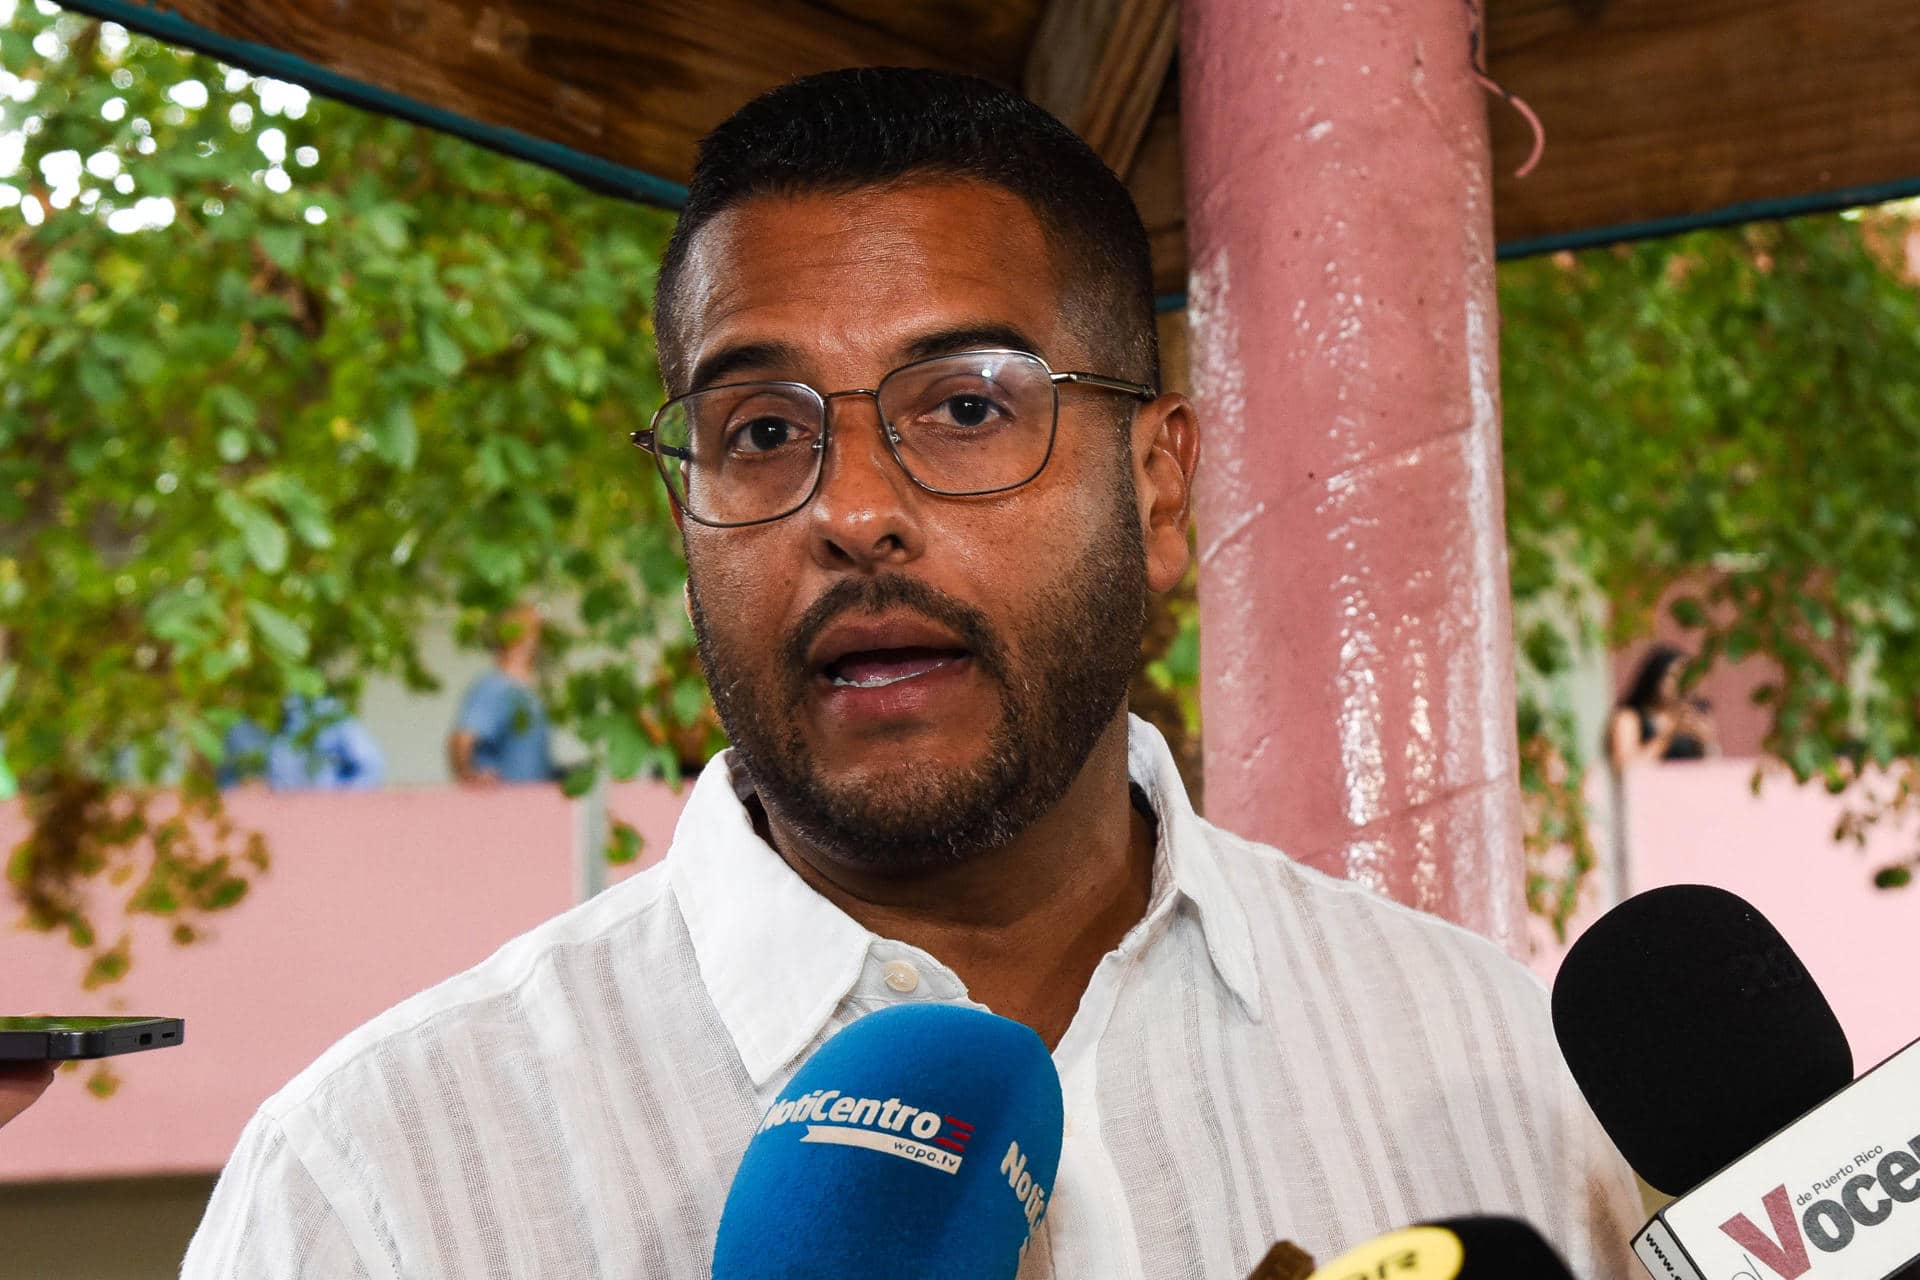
[
  {"x": 652, "y": 810},
  {"x": 1700, "y": 823},
  {"x": 371, "y": 898},
  {"x": 1356, "y": 668}
]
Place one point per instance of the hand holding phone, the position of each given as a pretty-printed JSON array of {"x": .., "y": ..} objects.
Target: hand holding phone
[{"x": 21, "y": 1084}]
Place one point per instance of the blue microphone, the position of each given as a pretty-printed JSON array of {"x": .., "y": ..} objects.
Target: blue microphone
[{"x": 921, "y": 1140}]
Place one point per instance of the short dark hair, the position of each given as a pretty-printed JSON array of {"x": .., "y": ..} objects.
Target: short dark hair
[{"x": 877, "y": 126}]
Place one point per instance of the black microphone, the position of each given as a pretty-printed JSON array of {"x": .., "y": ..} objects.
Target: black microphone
[
  {"x": 1694, "y": 1031},
  {"x": 1720, "y": 1071},
  {"x": 1498, "y": 1248}
]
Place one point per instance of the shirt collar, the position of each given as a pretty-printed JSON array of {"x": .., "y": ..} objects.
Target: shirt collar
[
  {"x": 1191, "y": 859},
  {"x": 777, "y": 958}
]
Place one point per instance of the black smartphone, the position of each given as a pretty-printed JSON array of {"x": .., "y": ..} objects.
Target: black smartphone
[{"x": 57, "y": 1039}]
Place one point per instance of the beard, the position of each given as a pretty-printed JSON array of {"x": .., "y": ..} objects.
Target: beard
[{"x": 1060, "y": 687}]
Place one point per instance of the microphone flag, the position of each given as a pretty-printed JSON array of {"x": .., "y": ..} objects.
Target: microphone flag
[{"x": 920, "y": 1140}]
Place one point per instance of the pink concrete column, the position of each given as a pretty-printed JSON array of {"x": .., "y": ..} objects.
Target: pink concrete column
[{"x": 1356, "y": 664}]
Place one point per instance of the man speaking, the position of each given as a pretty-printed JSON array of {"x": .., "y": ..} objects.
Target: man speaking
[{"x": 925, "y": 482}]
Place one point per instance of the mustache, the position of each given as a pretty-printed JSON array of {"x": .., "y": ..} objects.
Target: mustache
[{"x": 877, "y": 595}]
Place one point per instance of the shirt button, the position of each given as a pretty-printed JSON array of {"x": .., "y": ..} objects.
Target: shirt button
[{"x": 901, "y": 976}]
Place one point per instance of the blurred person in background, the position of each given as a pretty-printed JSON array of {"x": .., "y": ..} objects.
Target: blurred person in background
[
  {"x": 501, "y": 732},
  {"x": 1653, "y": 721},
  {"x": 337, "y": 755}
]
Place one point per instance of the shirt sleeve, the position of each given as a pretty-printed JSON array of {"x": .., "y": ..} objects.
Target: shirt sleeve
[
  {"x": 485, "y": 712},
  {"x": 269, "y": 1220}
]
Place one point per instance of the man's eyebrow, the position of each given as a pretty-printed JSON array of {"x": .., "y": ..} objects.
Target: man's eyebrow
[
  {"x": 969, "y": 337},
  {"x": 716, "y": 368},
  {"x": 742, "y": 355}
]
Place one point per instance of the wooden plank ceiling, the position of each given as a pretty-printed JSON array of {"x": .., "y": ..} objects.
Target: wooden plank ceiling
[{"x": 1655, "y": 110}]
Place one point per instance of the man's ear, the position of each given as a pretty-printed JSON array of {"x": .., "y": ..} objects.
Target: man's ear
[{"x": 1166, "y": 449}]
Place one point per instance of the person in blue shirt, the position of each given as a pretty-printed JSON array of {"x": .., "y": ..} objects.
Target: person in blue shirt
[
  {"x": 501, "y": 733},
  {"x": 338, "y": 755}
]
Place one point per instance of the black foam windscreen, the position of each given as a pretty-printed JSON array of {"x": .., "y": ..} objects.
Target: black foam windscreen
[
  {"x": 1694, "y": 1031},
  {"x": 1504, "y": 1249}
]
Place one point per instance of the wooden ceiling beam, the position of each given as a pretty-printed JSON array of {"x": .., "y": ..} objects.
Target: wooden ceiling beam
[
  {"x": 1158, "y": 184},
  {"x": 1657, "y": 111},
  {"x": 1099, "y": 65},
  {"x": 1660, "y": 116},
  {"x": 636, "y": 82}
]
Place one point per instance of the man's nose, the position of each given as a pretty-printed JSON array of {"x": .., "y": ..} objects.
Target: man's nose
[{"x": 865, "y": 511}]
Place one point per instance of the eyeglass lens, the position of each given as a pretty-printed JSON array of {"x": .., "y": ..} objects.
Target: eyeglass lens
[{"x": 963, "y": 424}]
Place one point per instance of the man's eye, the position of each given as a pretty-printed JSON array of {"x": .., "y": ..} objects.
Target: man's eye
[
  {"x": 763, "y": 435},
  {"x": 967, "y": 411}
]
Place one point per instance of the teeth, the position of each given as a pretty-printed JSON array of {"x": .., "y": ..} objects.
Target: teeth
[{"x": 882, "y": 681}]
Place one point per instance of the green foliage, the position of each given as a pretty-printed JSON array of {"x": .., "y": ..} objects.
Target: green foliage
[
  {"x": 281, "y": 382},
  {"x": 1738, "y": 412}
]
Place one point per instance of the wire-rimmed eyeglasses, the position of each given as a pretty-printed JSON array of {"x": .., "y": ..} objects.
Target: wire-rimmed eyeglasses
[{"x": 961, "y": 425}]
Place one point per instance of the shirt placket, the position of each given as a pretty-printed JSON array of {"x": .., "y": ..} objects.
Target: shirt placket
[{"x": 1091, "y": 1225}]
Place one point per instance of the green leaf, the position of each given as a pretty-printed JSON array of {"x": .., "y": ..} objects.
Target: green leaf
[
  {"x": 689, "y": 700},
  {"x": 389, "y": 226},
  {"x": 303, "y": 512},
  {"x": 108, "y": 967},
  {"x": 560, "y": 367},
  {"x": 281, "y": 632},
  {"x": 1893, "y": 877},
  {"x": 443, "y": 353},
  {"x": 623, "y": 844},
  {"x": 395, "y": 438},
  {"x": 16, "y": 50},
  {"x": 97, "y": 379},
  {"x": 626, "y": 748},
  {"x": 224, "y": 894},
  {"x": 234, "y": 405},
  {"x": 265, "y": 539},
  {"x": 203, "y": 738},
  {"x": 282, "y": 244},
  {"x": 156, "y": 899}
]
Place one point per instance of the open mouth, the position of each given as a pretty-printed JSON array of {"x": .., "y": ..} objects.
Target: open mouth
[{"x": 878, "y": 668}]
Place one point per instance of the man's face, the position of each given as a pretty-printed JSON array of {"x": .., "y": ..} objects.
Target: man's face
[{"x": 909, "y": 678}]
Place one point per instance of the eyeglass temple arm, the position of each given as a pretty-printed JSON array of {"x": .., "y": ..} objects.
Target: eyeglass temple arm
[
  {"x": 645, "y": 440},
  {"x": 1133, "y": 389}
]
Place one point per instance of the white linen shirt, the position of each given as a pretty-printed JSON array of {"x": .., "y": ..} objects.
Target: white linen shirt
[{"x": 1270, "y": 1053}]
